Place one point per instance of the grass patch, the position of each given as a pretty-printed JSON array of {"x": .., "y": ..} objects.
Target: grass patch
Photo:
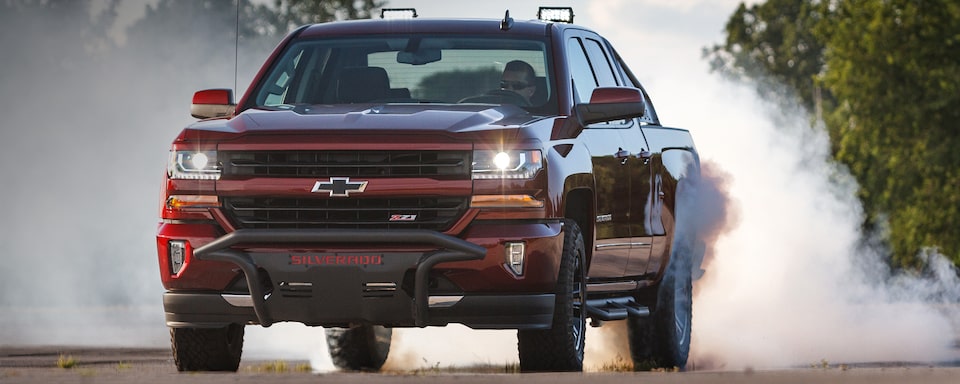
[
  {"x": 67, "y": 362},
  {"x": 617, "y": 365},
  {"x": 280, "y": 366},
  {"x": 434, "y": 369},
  {"x": 674, "y": 369}
]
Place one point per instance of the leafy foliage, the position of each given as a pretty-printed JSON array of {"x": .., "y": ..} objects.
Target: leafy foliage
[
  {"x": 294, "y": 13},
  {"x": 895, "y": 67},
  {"x": 885, "y": 78},
  {"x": 774, "y": 40}
]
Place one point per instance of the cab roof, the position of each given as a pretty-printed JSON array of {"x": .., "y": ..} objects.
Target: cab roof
[{"x": 419, "y": 25}]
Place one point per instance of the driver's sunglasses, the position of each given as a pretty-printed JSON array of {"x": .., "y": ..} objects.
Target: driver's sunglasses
[{"x": 513, "y": 85}]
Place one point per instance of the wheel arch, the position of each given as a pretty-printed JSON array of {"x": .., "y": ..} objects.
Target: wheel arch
[{"x": 579, "y": 205}]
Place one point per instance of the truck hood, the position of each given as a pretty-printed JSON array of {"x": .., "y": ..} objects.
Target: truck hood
[{"x": 451, "y": 118}]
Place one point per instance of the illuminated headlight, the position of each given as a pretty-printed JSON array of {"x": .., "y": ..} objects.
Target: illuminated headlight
[
  {"x": 178, "y": 255},
  {"x": 506, "y": 164},
  {"x": 193, "y": 165}
]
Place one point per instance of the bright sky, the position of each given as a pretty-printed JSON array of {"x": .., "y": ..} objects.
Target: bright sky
[{"x": 661, "y": 41}]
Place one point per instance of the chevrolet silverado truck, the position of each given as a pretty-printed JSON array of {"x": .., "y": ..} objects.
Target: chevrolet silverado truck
[{"x": 410, "y": 173}]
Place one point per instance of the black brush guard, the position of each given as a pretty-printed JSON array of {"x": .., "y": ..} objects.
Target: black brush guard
[{"x": 449, "y": 249}]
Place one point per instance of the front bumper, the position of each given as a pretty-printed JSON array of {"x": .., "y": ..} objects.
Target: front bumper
[
  {"x": 364, "y": 292},
  {"x": 529, "y": 311}
]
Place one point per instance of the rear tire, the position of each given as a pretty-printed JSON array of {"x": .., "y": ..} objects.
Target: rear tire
[
  {"x": 662, "y": 340},
  {"x": 362, "y": 348},
  {"x": 560, "y": 348},
  {"x": 207, "y": 349}
]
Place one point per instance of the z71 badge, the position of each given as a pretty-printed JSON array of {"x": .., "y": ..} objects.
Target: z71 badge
[{"x": 403, "y": 217}]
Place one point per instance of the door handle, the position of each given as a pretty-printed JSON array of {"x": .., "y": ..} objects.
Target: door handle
[
  {"x": 622, "y": 155},
  {"x": 644, "y": 155}
]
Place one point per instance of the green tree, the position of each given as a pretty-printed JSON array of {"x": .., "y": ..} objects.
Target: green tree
[
  {"x": 773, "y": 42},
  {"x": 885, "y": 78},
  {"x": 294, "y": 13},
  {"x": 894, "y": 67}
]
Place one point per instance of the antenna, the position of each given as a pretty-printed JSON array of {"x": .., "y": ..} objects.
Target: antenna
[
  {"x": 236, "y": 51},
  {"x": 507, "y": 21}
]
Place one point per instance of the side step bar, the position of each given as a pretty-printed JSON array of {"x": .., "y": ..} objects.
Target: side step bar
[{"x": 615, "y": 308}]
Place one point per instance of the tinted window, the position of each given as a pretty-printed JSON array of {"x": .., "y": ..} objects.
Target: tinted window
[
  {"x": 600, "y": 63},
  {"x": 583, "y": 80},
  {"x": 441, "y": 69}
]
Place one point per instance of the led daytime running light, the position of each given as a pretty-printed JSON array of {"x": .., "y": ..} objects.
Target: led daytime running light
[
  {"x": 193, "y": 165},
  {"x": 505, "y": 201},
  {"x": 506, "y": 164}
]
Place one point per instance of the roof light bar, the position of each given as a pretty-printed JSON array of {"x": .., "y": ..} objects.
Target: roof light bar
[
  {"x": 398, "y": 13},
  {"x": 556, "y": 14}
]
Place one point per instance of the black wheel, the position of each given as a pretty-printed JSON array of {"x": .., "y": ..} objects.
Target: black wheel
[
  {"x": 362, "y": 348},
  {"x": 560, "y": 348},
  {"x": 207, "y": 349},
  {"x": 662, "y": 340}
]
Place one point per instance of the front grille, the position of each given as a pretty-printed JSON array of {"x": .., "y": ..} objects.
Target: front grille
[
  {"x": 434, "y": 164},
  {"x": 434, "y": 213}
]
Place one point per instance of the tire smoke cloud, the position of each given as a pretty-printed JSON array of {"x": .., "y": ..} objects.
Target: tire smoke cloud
[
  {"x": 86, "y": 126},
  {"x": 793, "y": 281}
]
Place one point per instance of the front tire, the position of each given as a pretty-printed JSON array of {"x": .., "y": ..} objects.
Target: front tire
[
  {"x": 560, "y": 348},
  {"x": 362, "y": 348},
  {"x": 207, "y": 349}
]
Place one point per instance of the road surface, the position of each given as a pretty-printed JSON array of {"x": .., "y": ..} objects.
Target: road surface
[{"x": 61, "y": 364}]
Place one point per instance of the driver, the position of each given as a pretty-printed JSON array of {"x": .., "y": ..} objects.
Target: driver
[{"x": 519, "y": 77}]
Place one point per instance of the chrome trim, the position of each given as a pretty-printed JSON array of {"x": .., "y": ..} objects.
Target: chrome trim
[
  {"x": 443, "y": 301},
  {"x": 238, "y": 300},
  {"x": 295, "y": 284},
  {"x": 379, "y": 287},
  {"x": 610, "y": 245},
  {"x": 612, "y": 287}
]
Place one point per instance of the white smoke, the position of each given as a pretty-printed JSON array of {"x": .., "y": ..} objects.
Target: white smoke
[
  {"x": 795, "y": 282},
  {"x": 85, "y": 131}
]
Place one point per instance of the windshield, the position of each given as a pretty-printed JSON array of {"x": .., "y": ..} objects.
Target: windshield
[{"x": 410, "y": 69}]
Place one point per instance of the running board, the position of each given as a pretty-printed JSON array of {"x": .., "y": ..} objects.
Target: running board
[{"x": 615, "y": 308}]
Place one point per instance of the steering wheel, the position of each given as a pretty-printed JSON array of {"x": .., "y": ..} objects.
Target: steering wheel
[
  {"x": 509, "y": 97},
  {"x": 499, "y": 96}
]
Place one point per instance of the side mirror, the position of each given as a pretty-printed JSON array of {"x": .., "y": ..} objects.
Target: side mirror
[
  {"x": 610, "y": 104},
  {"x": 606, "y": 104},
  {"x": 210, "y": 103}
]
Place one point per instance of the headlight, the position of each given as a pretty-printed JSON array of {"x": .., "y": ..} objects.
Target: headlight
[
  {"x": 506, "y": 164},
  {"x": 193, "y": 165}
]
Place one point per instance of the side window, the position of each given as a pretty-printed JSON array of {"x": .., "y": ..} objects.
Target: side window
[
  {"x": 583, "y": 80},
  {"x": 275, "y": 91},
  {"x": 601, "y": 63}
]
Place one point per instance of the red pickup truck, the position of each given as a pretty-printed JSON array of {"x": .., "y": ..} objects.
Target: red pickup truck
[{"x": 499, "y": 174}]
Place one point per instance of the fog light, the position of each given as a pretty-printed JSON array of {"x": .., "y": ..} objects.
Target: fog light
[
  {"x": 515, "y": 253},
  {"x": 178, "y": 255}
]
